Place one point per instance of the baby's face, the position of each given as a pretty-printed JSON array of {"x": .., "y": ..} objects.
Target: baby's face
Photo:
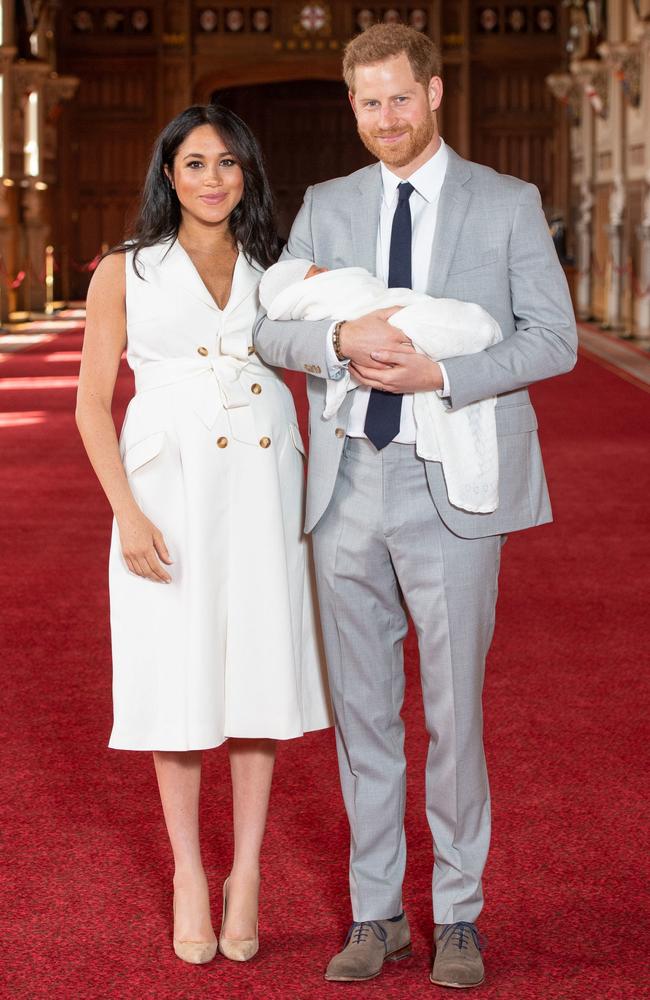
[{"x": 313, "y": 270}]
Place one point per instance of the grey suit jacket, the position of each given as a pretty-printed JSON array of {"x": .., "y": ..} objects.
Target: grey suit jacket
[{"x": 491, "y": 246}]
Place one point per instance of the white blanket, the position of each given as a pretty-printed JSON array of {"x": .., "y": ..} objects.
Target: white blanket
[{"x": 464, "y": 440}]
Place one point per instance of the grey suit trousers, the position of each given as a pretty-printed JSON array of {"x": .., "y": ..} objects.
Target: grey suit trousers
[{"x": 381, "y": 540}]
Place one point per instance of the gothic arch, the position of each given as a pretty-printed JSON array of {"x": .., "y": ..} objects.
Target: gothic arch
[{"x": 232, "y": 73}]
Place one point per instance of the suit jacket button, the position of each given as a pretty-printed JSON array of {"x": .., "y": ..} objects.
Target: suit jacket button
[
  {"x": 203, "y": 351},
  {"x": 222, "y": 442},
  {"x": 265, "y": 442},
  {"x": 256, "y": 388},
  {"x": 340, "y": 432}
]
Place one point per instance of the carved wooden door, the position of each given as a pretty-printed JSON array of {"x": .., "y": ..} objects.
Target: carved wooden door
[{"x": 307, "y": 133}]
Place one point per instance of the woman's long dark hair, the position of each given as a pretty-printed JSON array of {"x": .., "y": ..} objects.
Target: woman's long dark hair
[{"x": 252, "y": 221}]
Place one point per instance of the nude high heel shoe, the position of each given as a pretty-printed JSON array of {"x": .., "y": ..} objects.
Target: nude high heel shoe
[
  {"x": 237, "y": 951},
  {"x": 194, "y": 952}
]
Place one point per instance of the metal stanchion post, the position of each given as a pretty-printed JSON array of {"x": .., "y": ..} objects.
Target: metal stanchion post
[
  {"x": 65, "y": 276},
  {"x": 49, "y": 280}
]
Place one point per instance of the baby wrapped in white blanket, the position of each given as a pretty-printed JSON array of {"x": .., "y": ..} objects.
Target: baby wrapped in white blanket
[{"x": 463, "y": 440}]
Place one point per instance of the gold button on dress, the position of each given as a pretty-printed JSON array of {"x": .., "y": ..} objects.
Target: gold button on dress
[
  {"x": 203, "y": 351},
  {"x": 265, "y": 442},
  {"x": 256, "y": 388},
  {"x": 222, "y": 442}
]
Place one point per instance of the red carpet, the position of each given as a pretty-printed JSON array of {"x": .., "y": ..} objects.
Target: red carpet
[{"x": 86, "y": 879}]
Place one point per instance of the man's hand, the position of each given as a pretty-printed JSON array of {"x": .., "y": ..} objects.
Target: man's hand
[
  {"x": 360, "y": 337},
  {"x": 401, "y": 371}
]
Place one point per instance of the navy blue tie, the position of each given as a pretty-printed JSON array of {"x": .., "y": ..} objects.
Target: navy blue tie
[{"x": 385, "y": 408}]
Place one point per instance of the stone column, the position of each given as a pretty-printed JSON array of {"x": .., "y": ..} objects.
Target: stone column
[
  {"x": 642, "y": 232},
  {"x": 28, "y": 77},
  {"x": 36, "y": 234},
  {"x": 7, "y": 295},
  {"x": 614, "y": 230},
  {"x": 584, "y": 229},
  {"x": 7, "y": 190},
  {"x": 642, "y": 301},
  {"x": 618, "y": 193},
  {"x": 583, "y": 251},
  {"x": 593, "y": 81}
]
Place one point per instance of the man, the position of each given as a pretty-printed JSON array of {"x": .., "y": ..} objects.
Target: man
[{"x": 384, "y": 531}]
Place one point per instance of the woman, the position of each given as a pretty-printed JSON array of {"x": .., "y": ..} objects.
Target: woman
[{"x": 212, "y": 617}]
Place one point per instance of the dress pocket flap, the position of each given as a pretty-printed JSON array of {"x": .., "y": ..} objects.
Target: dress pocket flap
[
  {"x": 469, "y": 262},
  {"x": 143, "y": 451},
  {"x": 296, "y": 438},
  {"x": 515, "y": 419}
]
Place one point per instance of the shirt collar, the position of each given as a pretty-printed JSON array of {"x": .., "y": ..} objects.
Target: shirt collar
[{"x": 427, "y": 179}]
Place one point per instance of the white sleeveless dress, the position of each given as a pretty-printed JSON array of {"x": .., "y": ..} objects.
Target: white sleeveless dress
[{"x": 213, "y": 454}]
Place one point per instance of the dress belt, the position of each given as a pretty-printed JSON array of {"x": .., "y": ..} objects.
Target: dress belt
[{"x": 221, "y": 373}]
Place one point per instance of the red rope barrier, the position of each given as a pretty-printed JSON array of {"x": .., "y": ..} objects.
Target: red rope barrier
[
  {"x": 628, "y": 269},
  {"x": 90, "y": 265},
  {"x": 7, "y": 279},
  {"x": 600, "y": 271},
  {"x": 33, "y": 273}
]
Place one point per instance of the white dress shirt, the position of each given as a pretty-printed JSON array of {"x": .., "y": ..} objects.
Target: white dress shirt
[{"x": 427, "y": 182}]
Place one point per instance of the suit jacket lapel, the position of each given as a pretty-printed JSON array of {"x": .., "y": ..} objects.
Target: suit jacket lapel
[
  {"x": 365, "y": 219},
  {"x": 452, "y": 208}
]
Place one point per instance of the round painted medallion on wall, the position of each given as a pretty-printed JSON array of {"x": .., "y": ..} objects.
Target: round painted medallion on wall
[
  {"x": 488, "y": 19},
  {"x": 314, "y": 17},
  {"x": 82, "y": 20},
  {"x": 516, "y": 20},
  {"x": 418, "y": 19},
  {"x": 545, "y": 19},
  {"x": 234, "y": 19},
  {"x": 261, "y": 20},
  {"x": 113, "y": 20},
  {"x": 208, "y": 20},
  {"x": 364, "y": 18},
  {"x": 140, "y": 20}
]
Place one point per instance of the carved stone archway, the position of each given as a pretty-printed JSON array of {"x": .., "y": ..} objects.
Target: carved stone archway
[
  {"x": 300, "y": 114},
  {"x": 235, "y": 73}
]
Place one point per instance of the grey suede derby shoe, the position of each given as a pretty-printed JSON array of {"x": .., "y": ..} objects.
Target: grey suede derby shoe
[
  {"x": 368, "y": 945},
  {"x": 458, "y": 962}
]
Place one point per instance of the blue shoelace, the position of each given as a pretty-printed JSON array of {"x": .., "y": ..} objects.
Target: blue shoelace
[
  {"x": 360, "y": 930},
  {"x": 459, "y": 934}
]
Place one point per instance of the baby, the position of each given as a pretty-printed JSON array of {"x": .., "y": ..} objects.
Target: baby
[{"x": 463, "y": 440}]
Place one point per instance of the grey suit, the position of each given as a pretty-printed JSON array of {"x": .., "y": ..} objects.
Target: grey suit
[{"x": 378, "y": 536}]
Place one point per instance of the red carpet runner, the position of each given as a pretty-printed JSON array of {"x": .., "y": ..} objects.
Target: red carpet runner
[{"x": 86, "y": 874}]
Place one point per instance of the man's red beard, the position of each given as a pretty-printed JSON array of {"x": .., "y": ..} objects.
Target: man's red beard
[{"x": 406, "y": 149}]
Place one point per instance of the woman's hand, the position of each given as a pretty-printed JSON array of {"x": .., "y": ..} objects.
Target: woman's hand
[{"x": 143, "y": 547}]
